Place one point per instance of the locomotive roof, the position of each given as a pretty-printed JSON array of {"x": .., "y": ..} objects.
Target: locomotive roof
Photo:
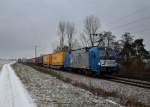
[{"x": 87, "y": 48}]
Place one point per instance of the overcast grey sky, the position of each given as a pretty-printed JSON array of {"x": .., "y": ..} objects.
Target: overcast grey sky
[{"x": 25, "y": 23}]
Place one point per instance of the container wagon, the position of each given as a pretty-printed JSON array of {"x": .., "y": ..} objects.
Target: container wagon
[
  {"x": 58, "y": 59},
  {"x": 39, "y": 60},
  {"x": 33, "y": 61},
  {"x": 47, "y": 60},
  {"x": 92, "y": 60}
]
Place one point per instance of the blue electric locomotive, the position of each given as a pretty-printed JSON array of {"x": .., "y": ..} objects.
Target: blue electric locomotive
[{"x": 96, "y": 60}]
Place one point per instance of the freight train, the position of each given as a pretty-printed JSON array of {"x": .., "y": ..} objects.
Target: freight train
[{"x": 93, "y": 60}]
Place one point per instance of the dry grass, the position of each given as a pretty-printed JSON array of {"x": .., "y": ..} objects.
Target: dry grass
[
  {"x": 133, "y": 67},
  {"x": 135, "y": 70},
  {"x": 131, "y": 102},
  {"x": 100, "y": 92}
]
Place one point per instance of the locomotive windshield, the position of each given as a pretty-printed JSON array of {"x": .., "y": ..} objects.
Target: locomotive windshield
[
  {"x": 107, "y": 54},
  {"x": 110, "y": 54},
  {"x": 102, "y": 54}
]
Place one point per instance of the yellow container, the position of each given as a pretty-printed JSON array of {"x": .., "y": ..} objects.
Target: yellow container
[
  {"x": 47, "y": 59},
  {"x": 58, "y": 58}
]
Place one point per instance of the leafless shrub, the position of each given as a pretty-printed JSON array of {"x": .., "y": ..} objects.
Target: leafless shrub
[{"x": 131, "y": 102}]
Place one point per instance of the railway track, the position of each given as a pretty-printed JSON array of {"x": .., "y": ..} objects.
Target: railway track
[{"x": 133, "y": 82}]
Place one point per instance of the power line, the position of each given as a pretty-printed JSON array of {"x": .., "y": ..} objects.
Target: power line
[
  {"x": 133, "y": 13},
  {"x": 132, "y": 22},
  {"x": 142, "y": 31},
  {"x": 137, "y": 25}
]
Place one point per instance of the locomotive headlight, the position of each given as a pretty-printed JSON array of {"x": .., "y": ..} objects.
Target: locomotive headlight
[
  {"x": 108, "y": 63},
  {"x": 102, "y": 62}
]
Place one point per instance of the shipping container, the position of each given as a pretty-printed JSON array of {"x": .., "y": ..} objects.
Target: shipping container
[
  {"x": 33, "y": 61},
  {"x": 47, "y": 59},
  {"x": 58, "y": 58},
  {"x": 29, "y": 61},
  {"x": 19, "y": 60},
  {"x": 39, "y": 60},
  {"x": 24, "y": 60}
]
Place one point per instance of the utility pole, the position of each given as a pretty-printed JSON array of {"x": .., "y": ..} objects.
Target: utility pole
[{"x": 35, "y": 50}]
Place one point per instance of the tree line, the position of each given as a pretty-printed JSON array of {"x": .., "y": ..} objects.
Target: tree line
[{"x": 127, "y": 47}]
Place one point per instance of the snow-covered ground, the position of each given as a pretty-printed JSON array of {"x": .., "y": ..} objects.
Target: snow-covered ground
[
  {"x": 48, "y": 91},
  {"x": 26, "y": 87},
  {"x": 12, "y": 91},
  {"x": 2, "y": 62}
]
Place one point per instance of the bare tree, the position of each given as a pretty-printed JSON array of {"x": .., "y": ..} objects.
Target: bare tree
[
  {"x": 61, "y": 28},
  {"x": 117, "y": 45},
  {"x": 109, "y": 37},
  {"x": 76, "y": 44},
  {"x": 127, "y": 51},
  {"x": 70, "y": 30},
  {"x": 84, "y": 40},
  {"x": 91, "y": 26}
]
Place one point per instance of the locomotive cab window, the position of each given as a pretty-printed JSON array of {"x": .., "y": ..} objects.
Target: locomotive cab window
[{"x": 102, "y": 54}]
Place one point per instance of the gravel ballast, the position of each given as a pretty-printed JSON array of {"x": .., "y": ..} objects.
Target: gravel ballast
[
  {"x": 128, "y": 92},
  {"x": 48, "y": 91}
]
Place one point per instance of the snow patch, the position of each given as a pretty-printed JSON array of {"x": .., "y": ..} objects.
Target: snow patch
[
  {"x": 110, "y": 101},
  {"x": 12, "y": 91}
]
